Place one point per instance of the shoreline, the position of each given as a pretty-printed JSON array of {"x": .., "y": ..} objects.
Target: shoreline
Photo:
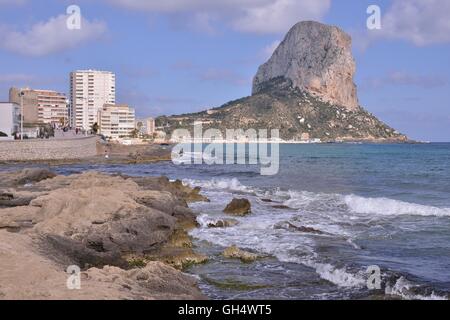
[{"x": 152, "y": 153}]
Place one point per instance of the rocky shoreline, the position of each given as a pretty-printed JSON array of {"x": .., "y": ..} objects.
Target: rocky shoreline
[{"x": 128, "y": 235}]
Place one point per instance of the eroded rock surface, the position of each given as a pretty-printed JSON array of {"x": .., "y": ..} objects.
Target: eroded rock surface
[
  {"x": 98, "y": 220},
  {"x": 317, "y": 58}
]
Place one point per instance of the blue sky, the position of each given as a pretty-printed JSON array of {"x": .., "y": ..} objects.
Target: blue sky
[{"x": 177, "y": 56}]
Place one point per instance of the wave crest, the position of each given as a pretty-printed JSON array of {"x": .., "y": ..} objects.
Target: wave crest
[{"x": 386, "y": 206}]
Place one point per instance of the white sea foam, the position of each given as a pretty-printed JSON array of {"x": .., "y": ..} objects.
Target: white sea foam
[
  {"x": 353, "y": 244},
  {"x": 257, "y": 233},
  {"x": 329, "y": 202},
  {"x": 402, "y": 288},
  {"x": 205, "y": 220},
  {"x": 360, "y": 205},
  {"x": 330, "y": 213},
  {"x": 223, "y": 184},
  {"x": 385, "y": 206},
  {"x": 339, "y": 277}
]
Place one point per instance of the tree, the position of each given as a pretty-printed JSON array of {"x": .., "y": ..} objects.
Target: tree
[
  {"x": 95, "y": 128},
  {"x": 135, "y": 133}
]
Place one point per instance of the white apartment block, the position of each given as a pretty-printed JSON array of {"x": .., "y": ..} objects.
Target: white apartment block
[
  {"x": 90, "y": 90},
  {"x": 116, "y": 121},
  {"x": 9, "y": 120},
  {"x": 52, "y": 108}
]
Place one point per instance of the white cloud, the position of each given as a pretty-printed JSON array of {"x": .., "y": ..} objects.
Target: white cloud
[
  {"x": 255, "y": 16},
  {"x": 278, "y": 16},
  {"x": 49, "y": 37},
  {"x": 421, "y": 22}
]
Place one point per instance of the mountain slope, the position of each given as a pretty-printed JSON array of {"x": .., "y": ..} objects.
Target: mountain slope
[{"x": 297, "y": 114}]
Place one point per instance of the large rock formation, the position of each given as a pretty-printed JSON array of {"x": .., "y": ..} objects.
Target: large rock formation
[
  {"x": 305, "y": 90},
  {"x": 114, "y": 227},
  {"x": 28, "y": 274},
  {"x": 317, "y": 59}
]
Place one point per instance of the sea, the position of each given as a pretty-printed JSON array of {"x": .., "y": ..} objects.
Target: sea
[{"x": 381, "y": 213}]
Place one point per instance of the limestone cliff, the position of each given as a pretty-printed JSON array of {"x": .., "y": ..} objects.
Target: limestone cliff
[{"x": 317, "y": 59}]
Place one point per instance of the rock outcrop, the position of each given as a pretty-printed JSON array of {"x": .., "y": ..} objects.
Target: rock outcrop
[
  {"x": 234, "y": 252},
  {"x": 317, "y": 59},
  {"x": 25, "y": 176},
  {"x": 286, "y": 225},
  {"x": 105, "y": 221},
  {"x": 238, "y": 207},
  {"x": 222, "y": 223},
  {"x": 25, "y": 273}
]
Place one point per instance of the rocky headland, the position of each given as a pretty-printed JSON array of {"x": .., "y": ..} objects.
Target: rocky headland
[{"x": 305, "y": 90}]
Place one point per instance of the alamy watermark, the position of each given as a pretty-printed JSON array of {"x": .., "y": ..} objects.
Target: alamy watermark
[
  {"x": 73, "y": 21},
  {"x": 208, "y": 147},
  {"x": 74, "y": 279},
  {"x": 374, "y": 19},
  {"x": 374, "y": 279}
]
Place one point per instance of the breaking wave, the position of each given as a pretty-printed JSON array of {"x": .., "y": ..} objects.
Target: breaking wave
[
  {"x": 329, "y": 213},
  {"x": 385, "y": 206},
  {"x": 221, "y": 184},
  {"x": 323, "y": 201},
  {"x": 404, "y": 289}
]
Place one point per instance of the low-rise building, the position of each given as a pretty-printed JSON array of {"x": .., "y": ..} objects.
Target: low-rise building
[
  {"x": 9, "y": 120},
  {"x": 116, "y": 121}
]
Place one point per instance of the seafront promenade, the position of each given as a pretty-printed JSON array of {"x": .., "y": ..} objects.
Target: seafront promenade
[{"x": 64, "y": 146}]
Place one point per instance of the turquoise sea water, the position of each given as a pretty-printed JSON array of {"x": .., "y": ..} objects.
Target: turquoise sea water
[{"x": 376, "y": 205}]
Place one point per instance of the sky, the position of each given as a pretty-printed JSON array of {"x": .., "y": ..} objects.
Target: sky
[{"x": 179, "y": 56}]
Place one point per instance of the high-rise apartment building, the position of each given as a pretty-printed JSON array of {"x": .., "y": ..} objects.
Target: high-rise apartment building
[
  {"x": 90, "y": 90},
  {"x": 42, "y": 106},
  {"x": 116, "y": 121}
]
